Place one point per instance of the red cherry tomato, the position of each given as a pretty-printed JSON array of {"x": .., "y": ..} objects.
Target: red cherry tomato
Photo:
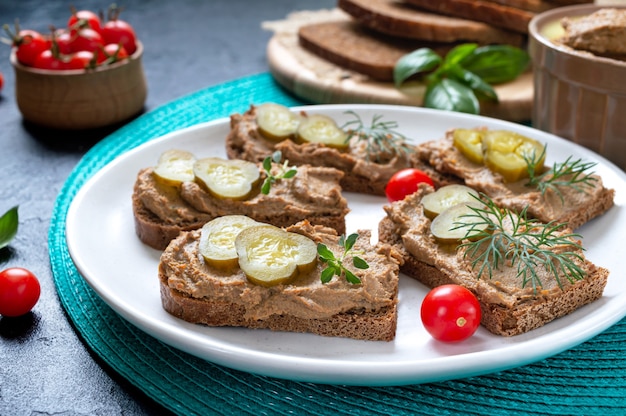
[
  {"x": 56, "y": 62},
  {"x": 86, "y": 40},
  {"x": 29, "y": 44},
  {"x": 19, "y": 291},
  {"x": 85, "y": 18},
  {"x": 120, "y": 32},
  {"x": 83, "y": 59},
  {"x": 1, "y": 81},
  {"x": 111, "y": 53},
  {"x": 450, "y": 313},
  {"x": 404, "y": 182},
  {"x": 63, "y": 40}
]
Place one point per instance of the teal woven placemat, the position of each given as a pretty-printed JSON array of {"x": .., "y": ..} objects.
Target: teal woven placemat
[{"x": 586, "y": 380}]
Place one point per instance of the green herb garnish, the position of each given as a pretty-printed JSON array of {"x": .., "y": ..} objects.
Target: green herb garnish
[
  {"x": 8, "y": 226},
  {"x": 380, "y": 136},
  {"x": 285, "y": 172},
  {"x": 465, "y": 75},
  {"x": 571, "y": 173},
  {"x": 336, "y": 265},
  {"x": 520, "y": 242}
]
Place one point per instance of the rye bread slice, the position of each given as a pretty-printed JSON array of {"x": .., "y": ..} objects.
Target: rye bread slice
[
  {"x": 514, "y": 311},
  {"x": 194, "y": 291},
  {"x": 498, "y": 15},
  {"x": 354, "y": 47},
  {"x": 399, "y": 19}
]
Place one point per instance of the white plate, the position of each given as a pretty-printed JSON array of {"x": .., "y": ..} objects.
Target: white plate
[{"x": 123, "y": 271}]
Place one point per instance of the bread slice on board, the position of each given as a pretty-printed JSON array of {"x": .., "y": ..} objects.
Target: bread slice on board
[
  {"x": 197, "y": 292},
  {"x": 505, "y": 17},
  {"x": 350, "y": 45},
  {"x": 399, "y": 19}
]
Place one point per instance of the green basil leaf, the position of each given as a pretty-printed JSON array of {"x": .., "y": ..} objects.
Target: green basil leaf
[
  {"x": 458, "y": 53},
  {"x": 420, "y": 60},
  {"x": 477, "y": 84},
  {"x": 8, "y": 226},
  {"x": 451, "y": 95},
  {"x": 496, "y": 64}
]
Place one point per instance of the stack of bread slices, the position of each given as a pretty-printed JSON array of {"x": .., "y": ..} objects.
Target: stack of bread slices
[{"x": 378, "y": 32}]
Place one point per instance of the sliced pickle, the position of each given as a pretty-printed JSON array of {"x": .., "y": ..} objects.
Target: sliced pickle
[
  {"x": 507, "y": 153},
  {"x": 174, "y": 167},
  {"x": 227, "y": 179},
  {"x": 470, "y": 143},
  {"x": 269, "y": 255},
  {"x": 276, "y": 122},
  {"x": 217, "y": 239},
  {"x": 445, "y": 197},
  {"x": 318, "y": 128},
  {"x": 453, "y": 224}
]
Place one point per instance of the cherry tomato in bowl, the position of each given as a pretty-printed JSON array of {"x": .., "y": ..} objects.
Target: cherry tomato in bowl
[
  {"x": 404, "y": 182},
  {"x": 450, "y": 313},
  {"x": 19, "y": 291}
]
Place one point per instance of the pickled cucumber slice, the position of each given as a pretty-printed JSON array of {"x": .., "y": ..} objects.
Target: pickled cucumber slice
[
  {"x": 445, "y": 197},
  {"x": 470, "y": 143},
  {"x": 445, "y": 227},
  {"x": 174, "y": 167},
  {"x": 508, "y": 154},
  {"x": 276, "y": 122},
  {"x": 318, "y": 128},
  {"x": 504, "y": 152},
  {"x": 269, "y": 255},
  {"x": 217, "y": 240},
  {"x": 227, "y": 179}
]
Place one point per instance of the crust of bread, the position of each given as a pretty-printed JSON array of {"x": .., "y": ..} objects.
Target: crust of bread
[
  {"x": 498, "y": 15},
  {"x": 399, "y": 19},
  {"x": 373, "y": 326},
  {"x": 496, "y": 318}
]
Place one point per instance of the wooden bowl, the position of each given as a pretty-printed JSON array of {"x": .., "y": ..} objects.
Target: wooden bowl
[
  {"x": 81, "y": 99},
  {"x": 578, "y": 96}
]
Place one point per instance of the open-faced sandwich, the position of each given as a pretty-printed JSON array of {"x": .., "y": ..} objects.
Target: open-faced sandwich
[
  {"x": 181, "y": 193},
  {"x": 235, "y": 271},
  {"x": 367, "y": 154},
  {"x": 524, "y": 273},
  {"x": 509, "y": 168}
]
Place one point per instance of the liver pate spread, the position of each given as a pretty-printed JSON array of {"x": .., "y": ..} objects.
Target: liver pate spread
[
  {"x": 363, "y": 173},
  {"x": 602, "y": 32},
  {"x": 306, "y": 296},
  {"x": 313, "y": 192},
  {"x": 503, "y": 288},
  {"x": 573, "y": 206}
]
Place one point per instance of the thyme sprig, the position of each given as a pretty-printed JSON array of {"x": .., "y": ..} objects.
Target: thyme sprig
[
  {"x": 336, "y": 265},
  {"x": 284, "y": 171},
  {"x": 517, "y": 241},
  {"x": 380, "y": 136},
  {"x": 575, "y": 174}
]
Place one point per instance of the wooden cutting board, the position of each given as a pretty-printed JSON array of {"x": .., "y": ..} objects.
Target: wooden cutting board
[{"x": 319, "y": 81}]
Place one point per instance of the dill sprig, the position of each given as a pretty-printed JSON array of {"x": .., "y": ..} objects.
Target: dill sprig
[
  {"x": 285, "y": 172},
  {"x": 519, "y": 242},
  {"x": 335, "y": 266},
  {"x": 380, "y": 136},
  {"x": 571, "y": 173}
]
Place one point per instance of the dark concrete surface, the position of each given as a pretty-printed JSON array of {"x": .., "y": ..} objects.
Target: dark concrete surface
[{"x": 189, "y": 45}]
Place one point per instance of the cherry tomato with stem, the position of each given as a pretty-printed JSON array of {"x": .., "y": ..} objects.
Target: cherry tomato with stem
[
  {"x": 86, "y": 40},
  {"x": 404, "y": 182},
  {"x": 28, "y": 44},
  {"x": 111, "y": 53},
  {"x": 450, "y": 313},
  {"x": 120, "y": 32},
  {"x": 19, "y": 291},
  {"x": 84, "y": 18}
]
